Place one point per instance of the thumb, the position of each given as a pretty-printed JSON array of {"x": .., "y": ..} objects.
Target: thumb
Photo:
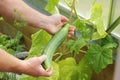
[
  {"x": 63, "y": 19},
  {"x": 42, "y": 58}
]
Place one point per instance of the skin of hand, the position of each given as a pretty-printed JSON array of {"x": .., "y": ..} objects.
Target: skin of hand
[
  {"x": 56, "y": 22},
  {"x": 33, "y": 67}
]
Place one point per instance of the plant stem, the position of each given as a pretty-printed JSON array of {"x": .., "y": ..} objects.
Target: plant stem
[
  {"x": 114, "y": 25},
  {"x": 82, "y": 51},
  {"x": 110, "y": 13},
  {"x": 94, "y": 2},
  {"x": 76, "y": 12},
  {"x": 56, "y": 54},
  {"x": 60, "y": 55},
  {"x": 71, "y": 11},
  {"x": 57, "y": 59}
]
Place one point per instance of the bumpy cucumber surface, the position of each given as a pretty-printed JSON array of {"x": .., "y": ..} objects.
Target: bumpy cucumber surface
[{"x": 53, "y": 45}]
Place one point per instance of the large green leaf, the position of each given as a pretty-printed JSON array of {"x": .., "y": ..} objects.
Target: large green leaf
[
  {"x": 99, "y": 57},
  {"x": 100, "y": 27},
  {"x": 84, "y": 69},
  {"x": 96, "y": 18},
  {"x": 97, "y": 36},
  {"x": 109, "y": 42},
  {"x": 80, "y": 24},
  {"x": 51, "y": 6},
  {"x": 96, "y": 12},
  {"x": 76, "y": 45},
  {"x": 67, "y": 69},
  {"x": 39, "y": 41}
]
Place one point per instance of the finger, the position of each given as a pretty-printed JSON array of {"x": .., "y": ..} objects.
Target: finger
[
  {"x": 47, "y": 72},
  {"x": 63, "y": 19},
  {"x": 72, "y": 28},
  {"x": 69, "y": 36},
  {"x": 42, "y": 58},
  {"x": 71, "y": 33},
  {"x": 61, "y": 25}
]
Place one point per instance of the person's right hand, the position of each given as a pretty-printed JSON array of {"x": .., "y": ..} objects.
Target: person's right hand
[
  {"x": 52, "y": 24},
  {"x": 34, "y": 68}
]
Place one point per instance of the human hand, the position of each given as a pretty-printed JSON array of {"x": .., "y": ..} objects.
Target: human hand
[
  {"x": 34, "y": 68},
  {"x": 56, "y": 22}
]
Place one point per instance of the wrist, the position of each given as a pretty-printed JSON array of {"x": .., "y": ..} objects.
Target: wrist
[
  {"x": 18, "y": 68},
  {"x": 38, "y": 21},
  {"x": 44, "y": 22}
]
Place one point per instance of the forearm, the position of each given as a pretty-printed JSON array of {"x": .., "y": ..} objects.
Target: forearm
[
  {"x": 32, "y": 66},
  {"x": 9, "y": 63},
  {"x": 31, "y": 16}
]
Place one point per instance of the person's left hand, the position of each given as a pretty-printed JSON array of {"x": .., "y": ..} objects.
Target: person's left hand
[
  {"x": 56, "y": 22},
  {"x": 33, "y": 67}
]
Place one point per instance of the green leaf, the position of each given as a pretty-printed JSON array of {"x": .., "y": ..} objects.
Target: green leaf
[
  {"x": 3, "y": 47},
  {"x": 76, "y": 45},
  {"x": 109, "y": 42},
  {"x": 67, "y": 69},
  {"x": 69, "y": 2},
  {"x": 87, "y": 34},
  {"x": 80, "y": 24},
  {"x": 84, "y": 29},
  {"x": 96, "y": 12},
  {"x": 51, "y": 6},
  {"x": 97, "y": 36},
  {"x": 84, "y": 69},
  {"x": 26, "y": 77},
  {"x": 10, "y": 44},
  {"x": 100, "y": 27},
  {"x": 39, "y": 41},
  {"x": 99, "y": 57},
  {"x": 1, "y": 18},
  {"x": 96, "y": 18}
]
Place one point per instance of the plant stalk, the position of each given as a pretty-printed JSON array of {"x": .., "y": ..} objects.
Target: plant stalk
[
  {"x": 114, "y": 25},
  {"x": 71, "y": 11},
  {"x": 110, "y": 13}
]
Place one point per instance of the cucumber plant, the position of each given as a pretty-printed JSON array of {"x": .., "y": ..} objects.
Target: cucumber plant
[{"x": 90, "y": 39}]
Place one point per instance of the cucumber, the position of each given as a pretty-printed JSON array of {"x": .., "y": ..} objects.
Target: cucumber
[{"x": 53, "y": 45}]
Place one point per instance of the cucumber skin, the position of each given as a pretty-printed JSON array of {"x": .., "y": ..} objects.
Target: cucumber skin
[{"x": 53, "y": 45}]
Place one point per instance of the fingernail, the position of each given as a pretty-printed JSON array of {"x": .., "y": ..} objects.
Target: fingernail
[
  {"x": 69, "y": 35},
  {"x": 44, "y": 55},
  {"x": 48, "y": 69}
]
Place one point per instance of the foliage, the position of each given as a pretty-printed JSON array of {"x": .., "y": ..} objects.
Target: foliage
[
  {"x": 39, "y": 40},
  {"x": 67, "y": 68},
  {"x": 52, "y": 6},
  {"x": 99, "y": 57},
  {"x": 90, "y": 34},
  {"x": 12, "y": 45},
  {"x": 7, "y": 76}
]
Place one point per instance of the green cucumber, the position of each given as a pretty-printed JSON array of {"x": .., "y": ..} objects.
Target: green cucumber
[{"x": 53, "y": 45}]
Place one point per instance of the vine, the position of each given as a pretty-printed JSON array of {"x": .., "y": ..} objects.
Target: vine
[{"x": 91, "y": 40}]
